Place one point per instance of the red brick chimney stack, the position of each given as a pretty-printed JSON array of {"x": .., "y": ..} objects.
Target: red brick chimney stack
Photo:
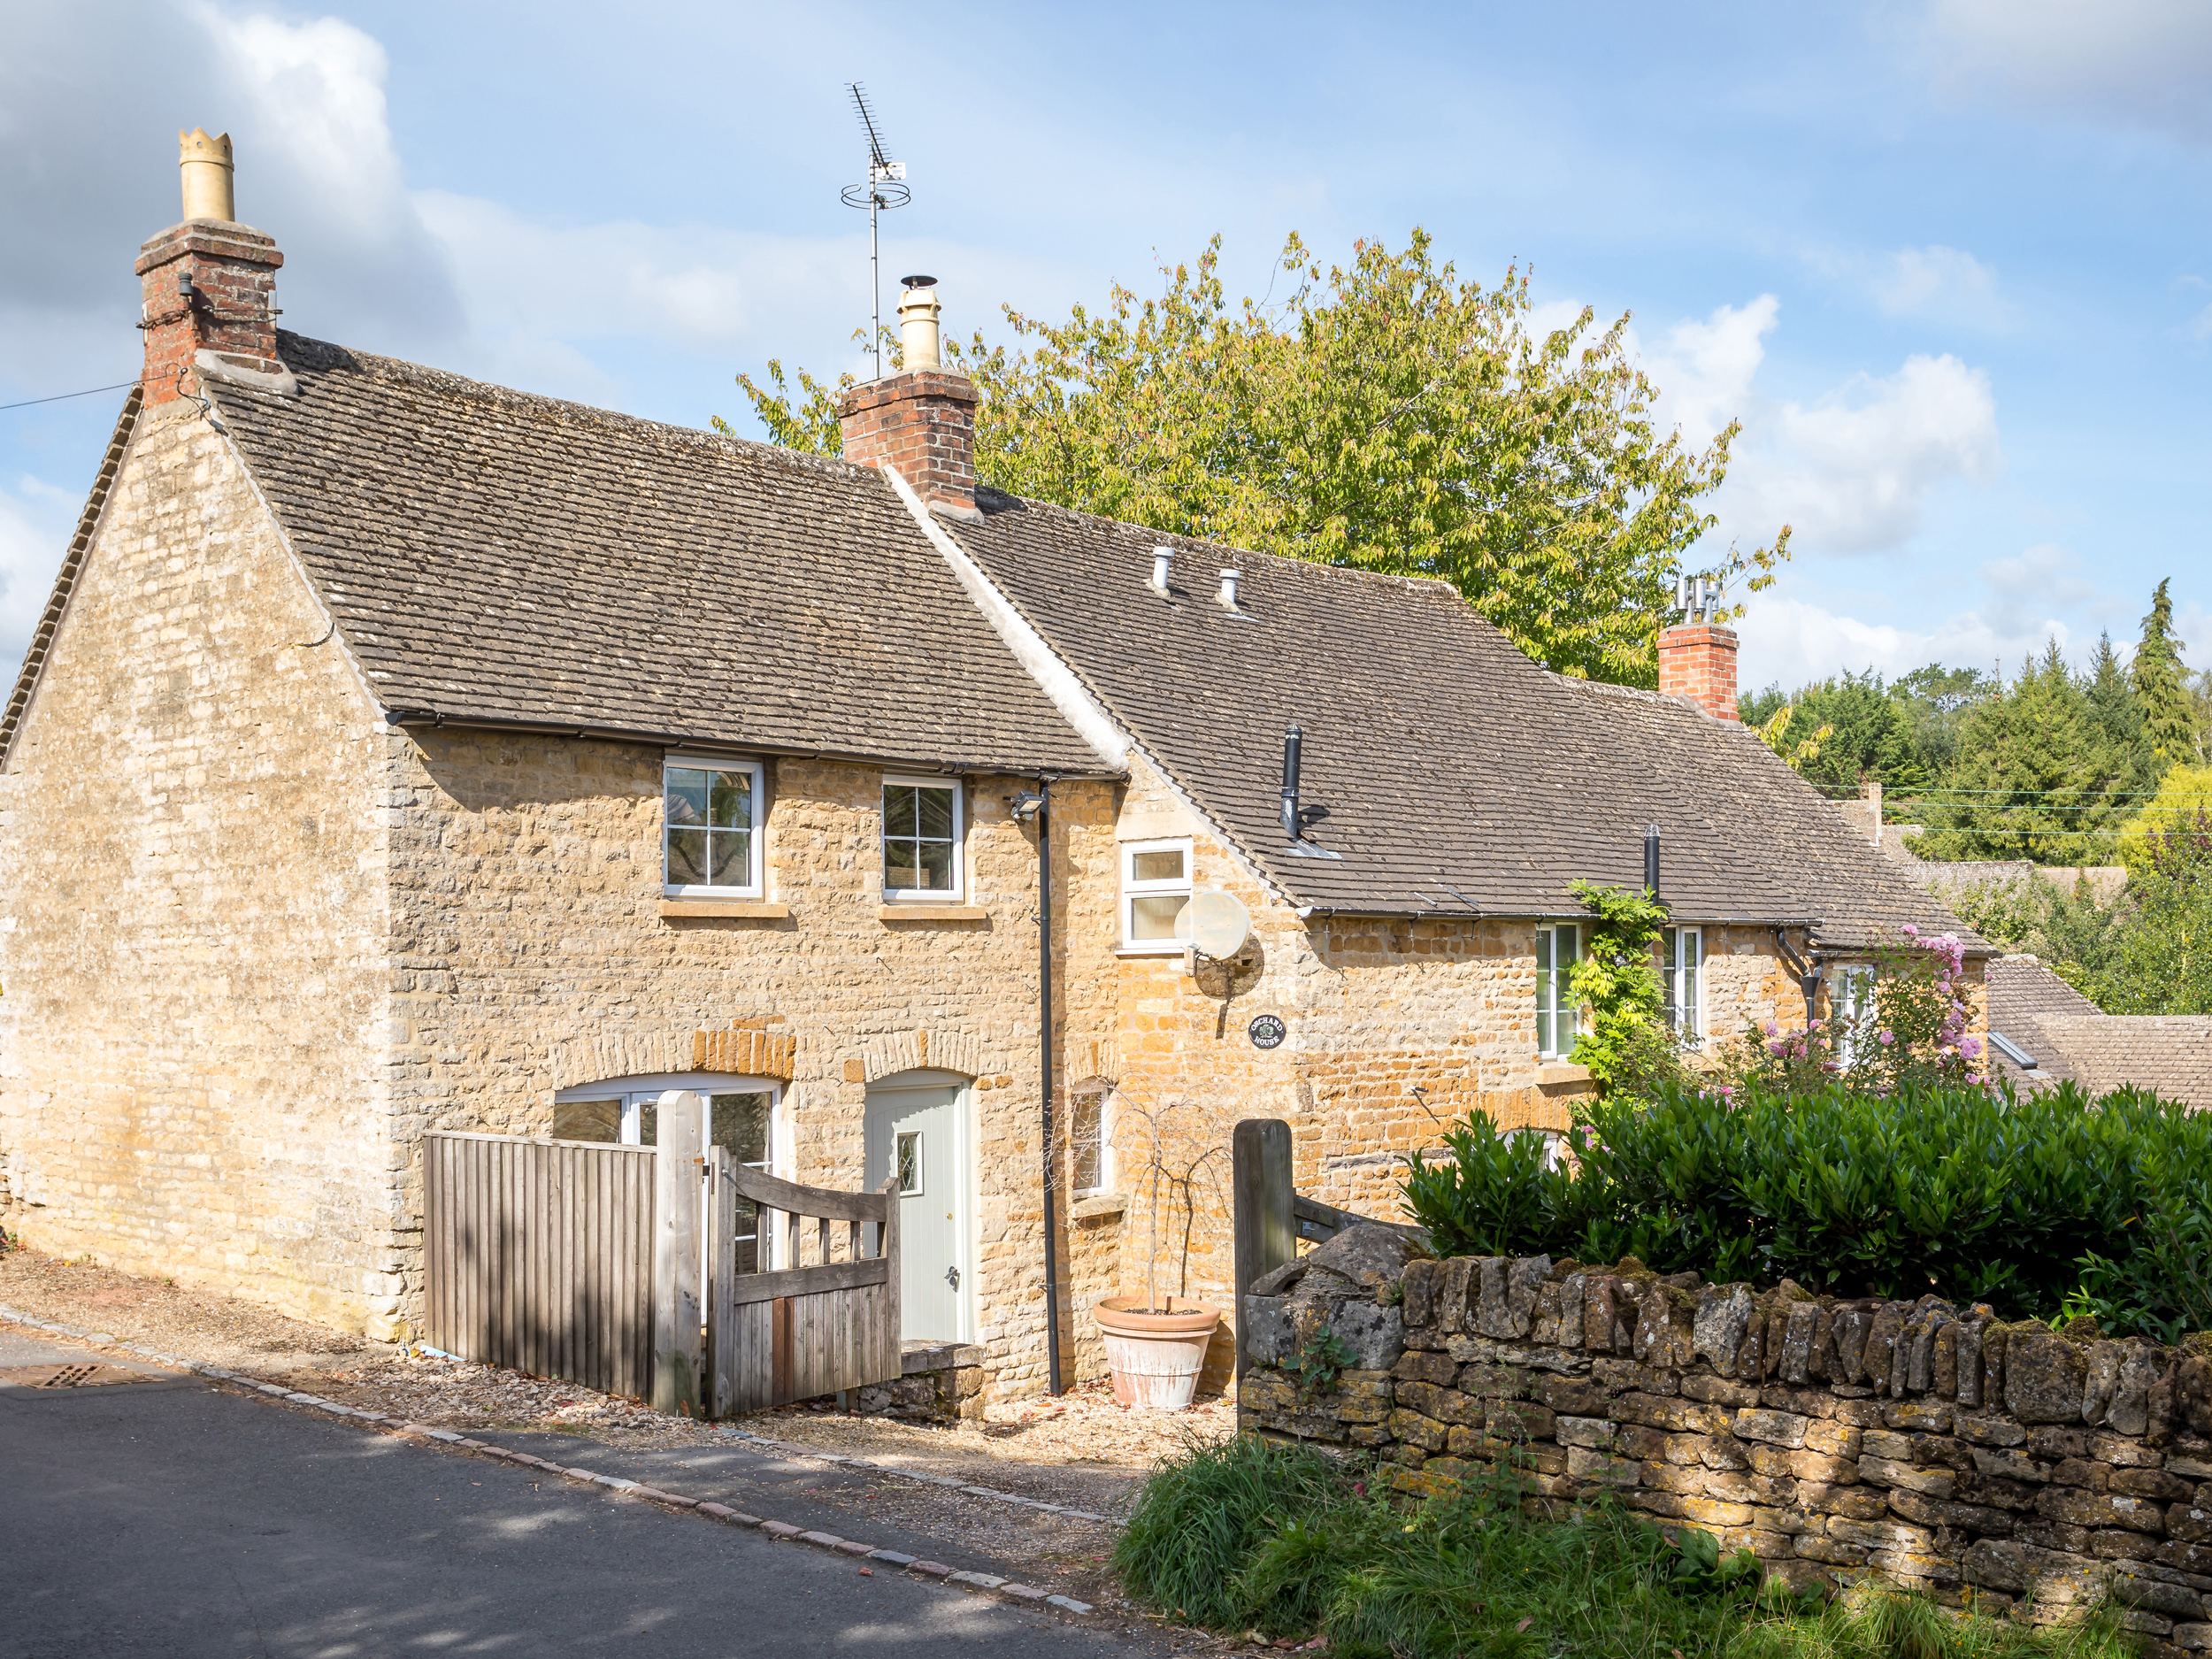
[
  {"x": 207, "y": 282},
  {"x": 1698, "y": 661},
  {"x": 921, "y": 421}
]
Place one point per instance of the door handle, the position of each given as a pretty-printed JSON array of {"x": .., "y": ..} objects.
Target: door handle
[{"x": 952, "y": 1276}]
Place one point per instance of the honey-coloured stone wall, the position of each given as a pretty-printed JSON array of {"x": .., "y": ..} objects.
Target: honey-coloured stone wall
[
  {"x": 192, "y": 909},
  {"x": 1988, "y": 1463},
  {"x": 1396, "y": 1028},
  {"x": 526, "y": 910}
]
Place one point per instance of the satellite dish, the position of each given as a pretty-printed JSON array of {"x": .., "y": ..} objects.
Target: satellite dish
[{"x": 1215, "y": 923}]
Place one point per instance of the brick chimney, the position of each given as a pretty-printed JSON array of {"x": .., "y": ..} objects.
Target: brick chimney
[
  {"x": 207, "y": 283},
  {"x": 1698, "y": 661},
  {"x": 922, "y": 419}
]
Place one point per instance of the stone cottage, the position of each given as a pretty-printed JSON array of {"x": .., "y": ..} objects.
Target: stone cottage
[{"x": 401, "y": 753}]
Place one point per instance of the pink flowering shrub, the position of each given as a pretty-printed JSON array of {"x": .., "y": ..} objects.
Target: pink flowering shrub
[{"x": 1910, "y": 1026}]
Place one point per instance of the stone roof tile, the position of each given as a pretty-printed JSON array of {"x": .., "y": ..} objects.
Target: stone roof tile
[
  {"x": 492, "y": 556},
  {"x": 1450, "y": 771}
]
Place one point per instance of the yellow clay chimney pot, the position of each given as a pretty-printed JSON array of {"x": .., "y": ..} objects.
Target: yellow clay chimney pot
[{"x": 206, "y": 164}]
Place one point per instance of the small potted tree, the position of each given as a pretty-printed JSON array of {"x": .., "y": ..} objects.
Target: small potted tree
[{"x": 1155, "y": 1345}]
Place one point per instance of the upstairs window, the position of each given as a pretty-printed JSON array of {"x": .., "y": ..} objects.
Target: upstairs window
[
  {"x": 1682, "y": 969},
  {"x": 1558, "y": 1011},
  {"x": 1155, "y": 885},
  {"x": 922, "y": 832},
  {"x": 711, "y": 834}
]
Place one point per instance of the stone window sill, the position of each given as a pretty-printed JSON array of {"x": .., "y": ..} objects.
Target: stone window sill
[
  {"x": 727, "y": 910},
  {"x": 1098, "y": 1206},
  {"x": 931, "y": 913},
  {"x": 1170, "y": 952},
  {"x": 1550, "y": 1074}
]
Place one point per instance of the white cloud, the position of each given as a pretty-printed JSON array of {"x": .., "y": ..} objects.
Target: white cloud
[
  {"x": 1852, "y": 471},
  {"x": 2136, "y": 62},
  {"x": 1936, "y": 279},
  {"x": 1794, "y": 642}
]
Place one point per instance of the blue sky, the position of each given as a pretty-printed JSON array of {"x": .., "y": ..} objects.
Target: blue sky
[{"x": 1949, "y": 261}]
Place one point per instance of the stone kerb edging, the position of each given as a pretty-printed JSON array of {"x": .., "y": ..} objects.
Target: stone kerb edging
[
  {"x": 1938, "y": 1448},
  {"x": 780, "y": 1530}
]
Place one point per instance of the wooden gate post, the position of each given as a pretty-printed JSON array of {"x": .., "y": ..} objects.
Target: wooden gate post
[
  {"x": 678, "y": 1201},
  {"x": 1266, "y": 1228}
]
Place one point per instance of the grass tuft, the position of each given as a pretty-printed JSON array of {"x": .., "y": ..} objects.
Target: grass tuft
[{"x": 1251, "y": 1534}]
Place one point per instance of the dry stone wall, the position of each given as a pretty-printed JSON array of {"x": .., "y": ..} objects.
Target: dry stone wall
[{"x": 1987, "y": 1462}]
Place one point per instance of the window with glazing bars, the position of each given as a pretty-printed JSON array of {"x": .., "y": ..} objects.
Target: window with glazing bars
[
  {"x": 1682, "y": 971},
  {"x": 710, "y": 818},
  {"x": 1558, "y": 1013},
  {"x": 921, "y": 840}
]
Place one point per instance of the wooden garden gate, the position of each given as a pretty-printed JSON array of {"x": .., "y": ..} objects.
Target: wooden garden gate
[
  {"x": 617, "y": 1267},
  {"x": 801, "y": 1331}
]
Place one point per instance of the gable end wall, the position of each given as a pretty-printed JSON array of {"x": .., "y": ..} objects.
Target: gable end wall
[{"x": 191, "y": 912}]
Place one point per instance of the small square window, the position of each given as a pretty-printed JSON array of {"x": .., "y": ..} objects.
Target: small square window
[
  {"x": 1155, "y": 885},
  {"x": 710, "y": 826},
  {"x": 922, "y": 832}
]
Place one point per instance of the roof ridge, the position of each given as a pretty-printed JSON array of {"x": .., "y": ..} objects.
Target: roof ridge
[
  {"x": 1030, "y": 504},
  {"x": 302, "y": 351}
]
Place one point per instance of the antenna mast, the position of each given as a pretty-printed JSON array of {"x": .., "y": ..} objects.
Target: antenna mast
[{"x": 885, "y": 188}]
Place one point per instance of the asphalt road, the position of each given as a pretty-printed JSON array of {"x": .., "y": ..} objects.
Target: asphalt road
[{"x": 176, "y": 1517}]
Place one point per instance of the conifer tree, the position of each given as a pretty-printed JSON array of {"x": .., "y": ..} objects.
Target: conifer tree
[
  {"x": 1871, "y": 735},
  {"x": 2161, "y": 686},
  {"x": 2034, "y": 779}
]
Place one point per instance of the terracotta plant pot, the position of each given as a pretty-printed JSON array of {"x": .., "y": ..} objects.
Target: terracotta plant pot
[{"x": 1155, "y": 1357}]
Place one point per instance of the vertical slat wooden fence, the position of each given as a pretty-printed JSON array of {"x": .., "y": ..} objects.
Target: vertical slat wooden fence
[
  {"x": 585, "y": 1261},
  {"x": 539, "y": 1256}
]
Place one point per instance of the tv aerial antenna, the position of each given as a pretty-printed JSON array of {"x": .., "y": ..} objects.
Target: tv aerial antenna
[{"x": 884, "y": 189}]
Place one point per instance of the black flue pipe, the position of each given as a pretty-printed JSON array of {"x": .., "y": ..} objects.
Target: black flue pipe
[
  {"x": 1651, "y": 861},
  {"x": 1293, "y": 739}
]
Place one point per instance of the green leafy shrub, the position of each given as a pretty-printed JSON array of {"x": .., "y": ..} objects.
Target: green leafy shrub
[
  {"x": 1251, "y": 1535},
  {"x": 2024, "y": 1202}
]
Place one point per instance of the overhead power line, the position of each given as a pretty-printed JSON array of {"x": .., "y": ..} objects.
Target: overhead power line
[{"x": 63, "y": 398}]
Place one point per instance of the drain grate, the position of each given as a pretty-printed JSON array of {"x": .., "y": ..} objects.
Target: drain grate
[{"x": 94, "y": 1376}]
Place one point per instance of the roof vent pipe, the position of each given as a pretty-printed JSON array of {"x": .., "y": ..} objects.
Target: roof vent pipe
[
  {"x": 1160, "y": 557},
  {"x": 1229, "y": 579},
  {"x": 1651, "y": 860},
  {"x": 1293, "y": 739}
]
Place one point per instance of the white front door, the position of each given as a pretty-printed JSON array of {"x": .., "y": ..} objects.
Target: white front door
[{"x": 915, "y": 1131}]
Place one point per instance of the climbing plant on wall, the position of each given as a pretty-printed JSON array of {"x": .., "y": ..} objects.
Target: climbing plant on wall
[{"x": 1627, "y": 1044}]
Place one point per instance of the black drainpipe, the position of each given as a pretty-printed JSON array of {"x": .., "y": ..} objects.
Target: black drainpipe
[
  {"x": 1651, "y": 861},
  {"x": 1293, "y": 739},
  {"x": 1044, "y": 1067},
  {"x": 1807, "y": 974}
]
